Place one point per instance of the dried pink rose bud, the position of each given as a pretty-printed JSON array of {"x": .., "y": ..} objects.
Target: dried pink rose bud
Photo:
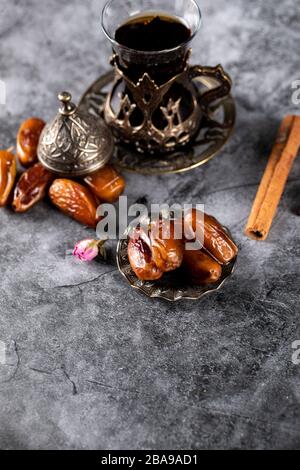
[{"x": 87, "y": 250}]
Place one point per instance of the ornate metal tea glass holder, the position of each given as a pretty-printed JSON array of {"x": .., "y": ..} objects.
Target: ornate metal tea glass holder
[
  {"x": 215, "y": 130},
  {"x": 160, "y": 118}
]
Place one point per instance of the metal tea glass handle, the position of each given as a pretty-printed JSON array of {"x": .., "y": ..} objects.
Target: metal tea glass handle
[{"x": 216, "y": 73}]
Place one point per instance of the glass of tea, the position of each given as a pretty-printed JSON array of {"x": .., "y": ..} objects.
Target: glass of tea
[
  {"x": 154, "y": 104},
  {"x": 151, "y": 35}
]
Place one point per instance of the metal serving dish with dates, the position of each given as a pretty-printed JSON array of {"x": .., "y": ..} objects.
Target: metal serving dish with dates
[
  {"x": 166, "y": 268},
  {"x": 172, "y": 286}
]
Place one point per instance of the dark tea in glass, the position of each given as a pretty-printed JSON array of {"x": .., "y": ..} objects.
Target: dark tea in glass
[{"x": 155, "y": 32}]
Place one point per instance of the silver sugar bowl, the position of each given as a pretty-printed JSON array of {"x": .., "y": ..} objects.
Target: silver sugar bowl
[{"x": 74, "y": 144}]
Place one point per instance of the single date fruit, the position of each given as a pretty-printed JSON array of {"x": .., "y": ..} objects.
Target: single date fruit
[
  {"x": 31, "y": 187},
  {"x": 74, "y": 200},
  {"x": 215, "y": 239},
  {"x": 107, "y": 184},
  {"x": 200, "y": 267},
  {"x": 153, "y": 253},
  {"x": 28, "y": 139},
  {"x": 8, "y": 171},
  {"x": 167, "y": 251},
  {"x": 140, "y": 258}
]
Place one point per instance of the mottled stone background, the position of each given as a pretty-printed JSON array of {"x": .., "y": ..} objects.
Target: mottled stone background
[{"x": 92, "y": 363}]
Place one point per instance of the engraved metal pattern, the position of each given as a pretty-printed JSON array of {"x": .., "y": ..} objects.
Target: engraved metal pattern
[
  {"x": 172, "y": 286},
  {"x": 216, "y": 127},
  {"x": 148, "y": 98},
  {"x": 75, "y": 143}
]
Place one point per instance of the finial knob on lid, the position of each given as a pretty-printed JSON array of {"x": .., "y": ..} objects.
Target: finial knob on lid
[
  {"x": 74, "y": 143},
  {"x": 67, "y": 107}
]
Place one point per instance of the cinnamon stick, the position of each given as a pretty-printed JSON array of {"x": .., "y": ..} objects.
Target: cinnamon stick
[{"x": 274, "y": 179}]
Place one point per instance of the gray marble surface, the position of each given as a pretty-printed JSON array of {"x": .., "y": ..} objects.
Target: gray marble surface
[{"x": 92, "y": 364}]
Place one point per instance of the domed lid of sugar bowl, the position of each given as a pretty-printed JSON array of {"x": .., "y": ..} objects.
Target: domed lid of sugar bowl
[{"x": 74, "y": 143}]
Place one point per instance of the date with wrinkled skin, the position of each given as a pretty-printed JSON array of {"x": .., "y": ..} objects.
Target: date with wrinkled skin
[
  {"x": 27, "y": 141},
  {"x": 8, "y": 171},
  {"x": 140, "y": 258},
  {"x": 201, "y": 268},
  {"x": 107, "y": 184},
  {"x": 74, "y": 200},
  {"x": 31, "y": 187},
  {"x": 216, "y": 241},
  {"x": 154, "y": 253},
  {"x": 167, "y": 252}
]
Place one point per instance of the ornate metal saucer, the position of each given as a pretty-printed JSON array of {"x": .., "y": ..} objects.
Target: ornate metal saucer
[
  {"x": 215, "y": 130},
  {"x": 172, "y": 286}
]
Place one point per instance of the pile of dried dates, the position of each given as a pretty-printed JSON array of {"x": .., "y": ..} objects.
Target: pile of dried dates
[
  {"x": 77, "y": 199},
  {"x": 151, "y": 255}
]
